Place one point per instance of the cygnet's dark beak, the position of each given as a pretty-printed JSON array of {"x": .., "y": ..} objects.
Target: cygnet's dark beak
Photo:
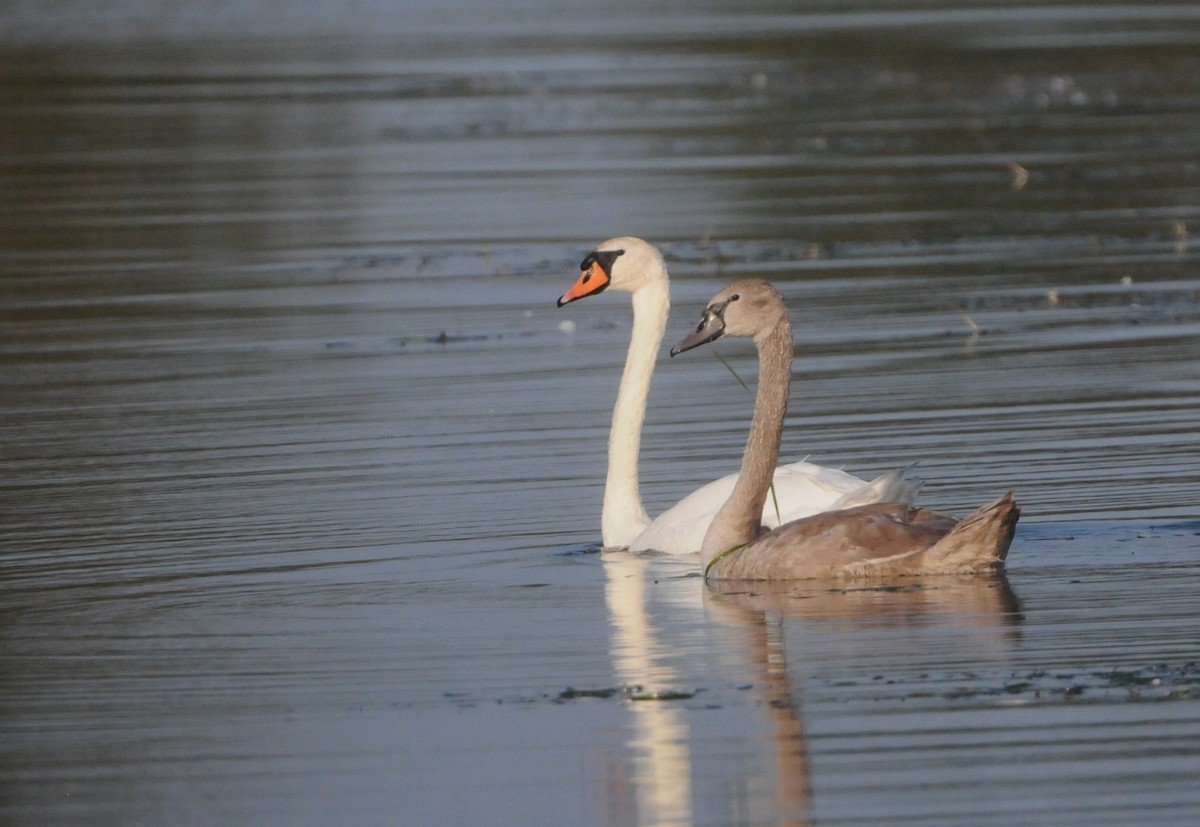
[{"x": 711, "y": 328}]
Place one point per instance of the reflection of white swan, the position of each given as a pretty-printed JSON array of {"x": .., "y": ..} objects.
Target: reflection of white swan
[
  {"x": 660, "y": 742},
  {"x": 801, "y": 488},
  {"x": 868, "y": 541}
]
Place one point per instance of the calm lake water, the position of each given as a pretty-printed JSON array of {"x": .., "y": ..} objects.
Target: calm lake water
[{"x": 300, "y": 465}]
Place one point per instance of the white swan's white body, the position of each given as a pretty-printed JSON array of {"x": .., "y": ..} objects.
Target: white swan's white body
[{"x": 801, "y": 488}]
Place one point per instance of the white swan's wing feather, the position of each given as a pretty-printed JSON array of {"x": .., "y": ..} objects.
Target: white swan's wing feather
[
  {"x": 899, "y": 486},
  {"x": 802, "y": 489}
]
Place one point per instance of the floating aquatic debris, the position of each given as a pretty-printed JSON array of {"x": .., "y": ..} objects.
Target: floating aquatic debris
[
  {"x": 638, "y": 693},
  {"x": 445, "y": 338},
  {"x": 571, "y": 693},
  {"x": 631, "y": 692},
  {"x": 1159, "y": 682}
]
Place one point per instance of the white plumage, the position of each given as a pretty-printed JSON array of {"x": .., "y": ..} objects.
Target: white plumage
[{"x": 801, "y": 488}]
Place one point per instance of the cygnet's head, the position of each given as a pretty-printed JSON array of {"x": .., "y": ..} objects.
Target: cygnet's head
[
  {"x": 624, "y": 263},
  {"x": 750, "y": 307}
]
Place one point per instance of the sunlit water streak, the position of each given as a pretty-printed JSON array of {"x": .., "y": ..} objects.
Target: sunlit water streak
[{"x": 301, "y": 466}]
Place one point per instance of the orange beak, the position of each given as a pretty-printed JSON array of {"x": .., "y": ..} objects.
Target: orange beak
[{"x": 591, "y": 281}]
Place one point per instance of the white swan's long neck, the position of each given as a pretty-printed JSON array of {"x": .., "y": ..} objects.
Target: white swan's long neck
[
  {"x": 737, "y": 523},
  {"x": 623, "y": 516}
]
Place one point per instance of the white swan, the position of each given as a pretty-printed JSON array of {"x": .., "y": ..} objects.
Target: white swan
[
  {"x": 878, "y": 540},
  {"x": 801, "y": 488}
]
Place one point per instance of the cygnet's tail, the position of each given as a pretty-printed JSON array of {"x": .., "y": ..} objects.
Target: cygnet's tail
[
  {"x": 980, "y": 541},
  {"x": 899, "y": 486}
]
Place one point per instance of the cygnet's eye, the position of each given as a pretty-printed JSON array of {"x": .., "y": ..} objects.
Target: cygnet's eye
[{"x": 734, "y": 297}]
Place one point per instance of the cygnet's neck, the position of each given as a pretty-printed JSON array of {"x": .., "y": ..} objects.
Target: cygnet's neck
[
  {"x": 738, "y": 520},
  {"x": 623, "y": 516}
]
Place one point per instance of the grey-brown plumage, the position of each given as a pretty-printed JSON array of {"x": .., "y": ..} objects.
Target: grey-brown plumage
[{"x": 879, "y": 540}]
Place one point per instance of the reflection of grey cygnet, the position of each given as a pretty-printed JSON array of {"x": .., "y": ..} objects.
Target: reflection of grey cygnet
[
  {"x": 876, "y": 540},
  {"x": 801, "y": 488}
]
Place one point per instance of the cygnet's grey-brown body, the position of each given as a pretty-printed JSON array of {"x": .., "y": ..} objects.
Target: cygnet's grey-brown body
[{"x": 878, "y": 540}]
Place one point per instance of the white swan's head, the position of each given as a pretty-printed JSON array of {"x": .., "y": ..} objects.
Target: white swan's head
[
  {"x": 624, "y": 263},
  {"x": 750, "y": 307}
]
